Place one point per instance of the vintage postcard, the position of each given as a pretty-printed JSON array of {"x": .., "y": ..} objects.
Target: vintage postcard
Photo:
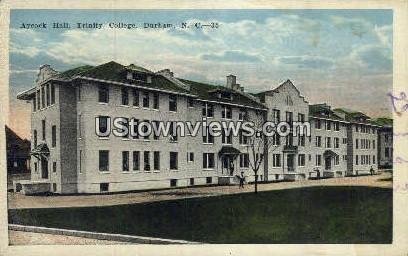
[{"x": 262, "y": 128}]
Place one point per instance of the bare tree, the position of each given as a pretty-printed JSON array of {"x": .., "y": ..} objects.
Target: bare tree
[{"x": 258, "y": 145}]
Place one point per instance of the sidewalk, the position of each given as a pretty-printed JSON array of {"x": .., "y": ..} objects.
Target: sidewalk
[{"x": 17, "y": 201}]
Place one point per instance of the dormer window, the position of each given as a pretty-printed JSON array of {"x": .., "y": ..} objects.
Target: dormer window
[
  {"x": 137, "y": 76},
  {"x": 226, "y": 95}
]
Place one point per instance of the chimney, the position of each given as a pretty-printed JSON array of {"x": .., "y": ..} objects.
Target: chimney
[{"x": 231, "y": 81}]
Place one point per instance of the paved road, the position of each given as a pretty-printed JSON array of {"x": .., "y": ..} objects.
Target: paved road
[{"x": 16, "y": 200}]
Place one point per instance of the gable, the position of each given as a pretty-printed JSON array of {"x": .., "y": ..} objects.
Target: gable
[{"x": 45, "y": 73}]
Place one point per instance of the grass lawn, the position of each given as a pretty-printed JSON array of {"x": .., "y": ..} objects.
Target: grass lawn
[{"x": 302, "y": 215}]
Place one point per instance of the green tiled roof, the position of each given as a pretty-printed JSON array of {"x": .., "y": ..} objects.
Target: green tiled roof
[
  {"x": 355, "y": 116},
  {"x": 207, "y": 92},
  {"x": 73, "y": 72},
  {"x": 116, "y": 72},
  {"x": 138, "y": 68},
  {"x": 323, "y": 111},
  {"x": 384, "y": 121}
]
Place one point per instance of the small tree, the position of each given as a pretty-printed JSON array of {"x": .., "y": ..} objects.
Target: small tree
[{"x": 258, "y": 145}]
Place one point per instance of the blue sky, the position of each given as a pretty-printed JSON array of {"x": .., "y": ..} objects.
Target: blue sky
[{"x": 342, "y": 57}]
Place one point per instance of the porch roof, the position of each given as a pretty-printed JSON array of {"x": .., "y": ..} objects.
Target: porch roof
[{"x": 228, "y": 150}]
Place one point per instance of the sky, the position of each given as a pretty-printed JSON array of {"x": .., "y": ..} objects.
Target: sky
[{"x": 340, "y": 57}]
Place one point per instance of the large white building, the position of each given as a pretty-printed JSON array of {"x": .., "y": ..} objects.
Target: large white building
[{"x": 69, "y": 157}]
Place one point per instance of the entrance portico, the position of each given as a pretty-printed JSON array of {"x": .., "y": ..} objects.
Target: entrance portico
[{"x": 228, "y": 156}]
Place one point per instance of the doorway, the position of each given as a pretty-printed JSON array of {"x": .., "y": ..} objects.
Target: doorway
[
  {"x": 290, "y": 163},
  {"x": 228, "y": 165},
  {"x": 44, "y": 168},
  {"x": 327, "y": 163}
]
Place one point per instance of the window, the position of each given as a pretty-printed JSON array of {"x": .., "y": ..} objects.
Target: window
[
  {"x": 136, "y": 160},
  {"x": 43, "y": 129},
  {"x": 173, "y": 132},
  {"x": 318, "y": 141},
  {"x": 80, "y": 161},
  {"x": 373, "y": 144},
  {"x": 156, "y": 97},
  {"x": 318, "y": 124},
  {"x": 104, "y": 187},
  {"x": 208, "y": 138},
  {"x": 155, "y": 134},
  {"x": 146, "y": 160},
  {"x": 276, "y": 139},
  {"x": 103, "y": 124},
  {"x": 208, "y": 180},
  {"x": 38, "y": 99},
  {"x": 226, "y": 112},
  {"x": 344, "y": 140},
  {"x": 328, "y": 142},
  {"x": 54, "y": 166},
  {"x": 42, "y": 97},
  {"x": 47, "y": 87},
  {"x": 35, "y": 138},
  {"x": 35, "y": 167},
  {"x": 301, "y": 117},
  {"x": 145, "y": 100},
  {"x": 226, "y": 139},
  {"x": 356, "y": 143},
  {"x": 125, "y": 96},
  {"x": 125, "y": 161},
  {"x": 173, "y": 160},
  {"x": 336, "y": 160},
  {"x": 318, "y": 160},
  {"x": 135, "y": 97},
  {"x": 156, "y": 160},
  {"x": 208, "y": 110},
  {"x": 135, "y": 127},
  {"x": 244, "y": 160},
  {"x": 373, "y": 159},
  {"x": 276, "y": 115},
  {"x": 208, "y": 161},
  {"x": 336, "y": 142},
  {"x": 328, "y": 125},
  {"x": 172, "y": 102},
  {"x": 243, "y": 140},
  {"x": 52, "y": 94},
  {"x": 356, "y": 127},
  {"x": 356, "y": 159},
  {"x": 302, "y": 140},
  {"x": 276, "y": 160},
  {"x": 289, "y": 118},
  {"x": 103, "y": 94},
  {"x": 190, "y": 156},
  {"x": 34, "y": 104},
  {"x": 336, "y": 126},
  {"x": 243, "y": 115},
  {"x": 190, "y": 103},
  {"x": 301, "y": 160},
  {"x": 191, "y": 181},
  {"x": 173, "y": 183},
  {"x": 145, "y": 130},
  {"x": 289, "y": 140},
  {"x": 103, "y": 160},
  {"x": 53, "y": 136},
  {"x": 289, "y": 100}
]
